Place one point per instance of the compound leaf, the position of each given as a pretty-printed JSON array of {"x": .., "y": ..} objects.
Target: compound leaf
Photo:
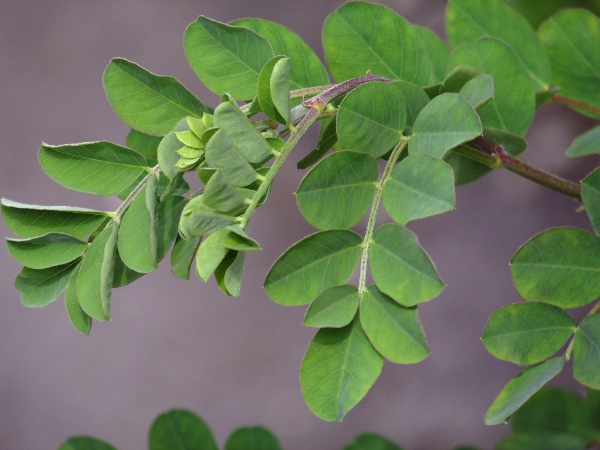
[
  {"x": 371, "y": 119},
  {"x": 559, "y": 266},
  {"x": 527, "y": 333},
  {"x": 100, "y": 168},
  {"x": 339, "y": 368},
  {"x": 401, "y": 268},
  {"x": 226, "y": 58},
  {"x": 318, "y": 261},
  {"x": 447, "y": 121},
  {"x": 394, "y": 330},
  {"x": 419, "y": 186},
  {"x": 518, "y": 390},
  {"x": 338, "y": 191},
  {"x": 145, "y": 101},
  {"x": 333, "y": 308}
]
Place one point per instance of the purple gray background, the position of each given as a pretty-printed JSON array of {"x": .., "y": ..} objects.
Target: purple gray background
[{"x": 184, "y": 344}]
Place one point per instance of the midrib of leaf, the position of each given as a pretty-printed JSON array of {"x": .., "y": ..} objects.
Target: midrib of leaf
[
  {"x": 120, "y": 164},
  {"x": 533, "y": 330},
  {"x": 410, "y": 266},
  {"x": 576, "y": 50},
  {"x": 368, "y": 119},
  {"x": 421, "y": 193},
  {"x": 402, "y": 328},
  {"x": 68, "y": 266},
  {"x": 343, "y": 370},
  {"x": 160, "y": 94},
  {"x": 339, "y": 186}
]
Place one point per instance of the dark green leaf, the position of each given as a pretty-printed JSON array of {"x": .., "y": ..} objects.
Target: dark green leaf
[
  {"x": 229, "y": 273},
  {"x": 541, "y": 441},
  {"x": 419, "y": 186},
  {"x": 447, "y": 121},
  {"x": 305, "y": 67},
  {"x": 338, "y": 191},
  {"x": 252, "y": 438},
  {"x": 571, "y": 40},
  {"x": 339, "y": 368},
  {"x": 100, "y": 168},
  {"x": 357, "y": 39},
  {"x": 311, "y": 265},
  {"x": 371, "y": 441},
  {"x": 85, "y": 443},
  {"x": 394, "y": 330},
  {"x": 587, "y": 143},
  {"x": 179, "y": 429},
  {"x": 371, "y": 118},
  {"x": 518, "y": 390},
  {"x": 182, "y": 256},
  {"x": 41, "y": 287},
  {"x": 95, "y": 279},
  {"x": 401, "y": 268},
  {"x": 470, "y": 20},
  {"x": 274, "y": 89},
  {"x": 123, "y": 275},
  {"x": 49, "y": 250},
  {"x": 30, "y": 221},
  {"x": 333, "y": 308},
  {"x": 590, "y": 190},
  {"x": 80, "y": 320},
  {"x": 226, "y": 58},
  {"x": 527, "y": 333},
  {"x": 552, "y": 411},
  {"x": 586, "y": 352},
  {"x": 559, "y": 266},
  {"x": 145, "y": 101},
  {"x": 513, "y": 106}
]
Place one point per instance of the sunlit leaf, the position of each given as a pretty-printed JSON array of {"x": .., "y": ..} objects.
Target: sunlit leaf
[{"x": 49, "y": 250}]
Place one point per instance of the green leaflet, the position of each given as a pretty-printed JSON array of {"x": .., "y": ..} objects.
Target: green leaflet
[
  {"x": 415, "y": 98},
  {"x": 469, "y": 20},
  {"x": 229, "y": 273},
  {"x": 305, "y": 67},
  {"x": 371, "y": 118},
  {"x": 519, "y": 389},
  {"x": 79, "y": 319},
  {"x": 587, "y": 143},
  {"x": 137, "y": 232},
  {"x": 537, "y": 441},
  {"x": 447, "y": 121},
  {"x": 252, "y": 438},
  {"x": 95, "y": 279},
  {"x": 333, "y": 308},
  {"x": 197, "y": 219},
  {"x": 222, "y": 153},
  {"x": 327, "y": 139},
  {"x": 394, "y": 330},
  {"x": 371, "y": 441},
  {"x": 40, "y": 287},
  {"x": 419, "y": 186},
  {"x": 527, "y": 333},
  {"x": 221, "y": 196},
  {"x": 478, "y": 91},
  {"x": 236, "y": 239},
  {"x": 338, "y": 191},
  {"x": 179, "y": 429},
  {"x": 49, "y": 250},
  {"x": 210, "y": 254},
  {"x": 571, "y": 38},
  {"x": 146, "y": 102},
  {"x": 30, "y": 221},
  {"x": 590, "y": 191},
  {"x": 457, "y": 78},
  {"x": 437, "y": 51},
  {"x": 554, "y": 410},
  {"x": 100, "y": 168},
  {"x": 182, "y": 256},
  {"x": 167, "y": 149},
  {"x": 123, "y": 275},
  {"x": 85, "y": 443},
  {"x": 145, "y": 144},
  {"x": 357, "y": 39},
  {"x": 586, "y": 352},
  {"x": 513, "y": 105},
  {"x": 274, "y": 89},
  {"x": 311, "y": 265},
  {"x": 226, "y": 58},
  {"x": 401, "y": 268},
  {"x": 559, "y": 266},
  {"x": 339, "y": 368},
  {"x": 245, "y": 139}
]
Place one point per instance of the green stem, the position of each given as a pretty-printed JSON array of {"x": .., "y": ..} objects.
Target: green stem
[
  {"x": 364, "y": 256},
  {"x": 576, "y": 104},
  {"x": 131, "y": 197},
  {"x": 305, "y": 123}
]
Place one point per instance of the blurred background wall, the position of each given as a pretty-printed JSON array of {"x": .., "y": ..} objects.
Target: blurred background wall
[{"x": 184, "y": 344}]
